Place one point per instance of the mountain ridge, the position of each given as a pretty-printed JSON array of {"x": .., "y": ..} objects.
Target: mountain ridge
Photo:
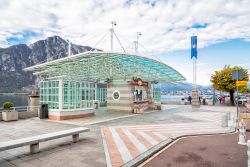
[{"x": 14, "y": 59}]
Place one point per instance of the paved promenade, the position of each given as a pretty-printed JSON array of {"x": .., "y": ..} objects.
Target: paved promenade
[{"x": 111, "y": 142}]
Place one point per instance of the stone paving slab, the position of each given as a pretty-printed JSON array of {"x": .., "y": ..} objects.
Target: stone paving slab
[{"x": 59, "y": 152}]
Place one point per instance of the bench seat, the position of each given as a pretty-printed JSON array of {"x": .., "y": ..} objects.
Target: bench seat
[{"x": 35, "y": 140}]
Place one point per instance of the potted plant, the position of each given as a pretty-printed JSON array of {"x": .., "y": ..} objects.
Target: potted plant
[{"x": 8, "y": 114}]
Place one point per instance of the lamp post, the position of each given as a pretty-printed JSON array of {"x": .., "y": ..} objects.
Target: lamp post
[
  {"x": 69, "y": 48},
  {"x": 113, "y": 23},
  {"x": 137, "y": 41}
]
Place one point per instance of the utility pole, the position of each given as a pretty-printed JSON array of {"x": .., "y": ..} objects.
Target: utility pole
[
  {"x": 113, "y": 23},
  {"x": 237, "y": 75}
]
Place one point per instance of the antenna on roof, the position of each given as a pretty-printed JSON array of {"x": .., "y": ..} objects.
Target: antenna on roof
[{"x": 69, "y": 48}]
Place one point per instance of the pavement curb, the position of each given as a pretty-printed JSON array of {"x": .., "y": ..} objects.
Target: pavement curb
[
  {"x": 142, "y": 157},
  {"x": 101, "y": 121}
]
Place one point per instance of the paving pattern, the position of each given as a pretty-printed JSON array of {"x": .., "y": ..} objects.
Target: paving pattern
[{"x": 124, "y": 143}]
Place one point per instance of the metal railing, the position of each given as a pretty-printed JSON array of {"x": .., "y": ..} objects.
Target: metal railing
[{"x": 23, "y": 108}]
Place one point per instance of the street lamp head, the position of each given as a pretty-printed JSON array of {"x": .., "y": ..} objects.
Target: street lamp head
[
  {"x": 114, "y": 23},
  {"x": 139, "y": 33}
]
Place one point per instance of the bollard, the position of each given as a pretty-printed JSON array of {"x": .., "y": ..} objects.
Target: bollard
[
  {"x": 224, "y": 120},
  {"x": 248, "y": 152},
  {"x": 242, "y": 132}
]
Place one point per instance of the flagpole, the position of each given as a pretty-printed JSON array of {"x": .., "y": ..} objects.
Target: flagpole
[
  {"x": 195, "y": 95},
  {"x": 195, "y": 73}
]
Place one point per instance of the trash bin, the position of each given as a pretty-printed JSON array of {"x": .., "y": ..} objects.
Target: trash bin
[
  {"x": 43, "y": 114},
  {"x": 204, "y": 101},
  {"x": 96, "y": 105}
]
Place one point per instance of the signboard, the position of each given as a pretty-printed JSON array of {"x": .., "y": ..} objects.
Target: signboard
[
  {"x": 139, "y": 82},
  {"x": 241, "y": 83},
  {"x": 237, "y": 75},
  {"x": 116, "y": 95}
]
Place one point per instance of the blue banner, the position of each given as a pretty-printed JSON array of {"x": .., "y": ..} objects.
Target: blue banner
[{"x": 193, "y": 47}]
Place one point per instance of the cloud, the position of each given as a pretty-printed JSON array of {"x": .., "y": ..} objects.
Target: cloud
[{"x": 166, "y": 25}]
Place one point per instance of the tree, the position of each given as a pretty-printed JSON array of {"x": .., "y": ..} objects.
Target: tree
[
  {"x": 244, "y": 90},
  {"x": 222, "y": 80}
]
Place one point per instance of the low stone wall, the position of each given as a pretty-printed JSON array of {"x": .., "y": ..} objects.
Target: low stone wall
[{"x": 25, "y": 115}]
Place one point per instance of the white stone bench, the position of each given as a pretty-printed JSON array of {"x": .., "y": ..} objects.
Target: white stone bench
[{"x": 35, "y": 140}]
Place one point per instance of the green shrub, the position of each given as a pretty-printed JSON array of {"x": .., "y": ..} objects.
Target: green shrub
[
  {"x": 7, "y": 110},
  {"x": 7, "y": 105}
]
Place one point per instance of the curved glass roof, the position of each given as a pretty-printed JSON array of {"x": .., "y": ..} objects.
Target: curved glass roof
[{"x": 101, "y": 66}]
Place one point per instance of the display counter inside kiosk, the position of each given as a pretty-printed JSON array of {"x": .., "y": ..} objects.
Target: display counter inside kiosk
[{"x": 141, "y": 95}]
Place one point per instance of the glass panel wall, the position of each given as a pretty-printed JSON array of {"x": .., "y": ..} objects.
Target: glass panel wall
[
  {"x": 75, "y": 95},
  {"x": 78, "y": 94},
  {"x": 102, "y": 95},
  {"x": 156, "y": 94},
  {"x": 88, "y": 94},
  {"x": 49, "y": 93}
]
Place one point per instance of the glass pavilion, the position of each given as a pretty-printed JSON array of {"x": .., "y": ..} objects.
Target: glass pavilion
[{"x": 69, "y": 85}]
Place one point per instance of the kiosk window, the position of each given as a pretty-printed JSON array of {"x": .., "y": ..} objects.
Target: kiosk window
[{"x": 140, "y": 93}]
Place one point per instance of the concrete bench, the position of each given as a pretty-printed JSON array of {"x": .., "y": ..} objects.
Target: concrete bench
[{"x": 35, "y": 140}]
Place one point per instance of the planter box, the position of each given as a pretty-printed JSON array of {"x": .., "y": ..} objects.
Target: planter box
[
  {"x": 10, "y": 116},
  {"x": 183, "y": 102},
  {"x": 210, "y": 103}
]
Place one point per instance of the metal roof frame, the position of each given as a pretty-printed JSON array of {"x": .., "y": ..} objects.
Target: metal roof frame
[{"x": 99, "y": 66}]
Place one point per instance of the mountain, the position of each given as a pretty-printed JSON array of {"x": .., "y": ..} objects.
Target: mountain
[
  {"x": 177, "y": 86},
  {"x": 15, "y": 58}
]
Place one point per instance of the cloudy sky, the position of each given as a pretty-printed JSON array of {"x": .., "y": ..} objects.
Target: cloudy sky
[{"x": 222, "y": 27}]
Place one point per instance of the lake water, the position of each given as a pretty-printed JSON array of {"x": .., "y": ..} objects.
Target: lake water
[
  {"x": 17, "y": 100},
  {"x": 171, "y": 97},
  {"x": 22, "y": 100}
]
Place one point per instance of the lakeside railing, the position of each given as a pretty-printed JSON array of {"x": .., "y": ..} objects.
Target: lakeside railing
[{"x": 23, "y": 108}]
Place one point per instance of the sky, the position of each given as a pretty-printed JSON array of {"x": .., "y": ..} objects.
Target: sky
[{"x": 222, "y": 27}]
